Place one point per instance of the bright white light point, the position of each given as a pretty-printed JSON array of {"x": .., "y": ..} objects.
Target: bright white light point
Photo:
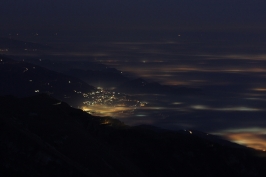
[
  {"x": 190, "y": 132},
  {"x": 144, "y": 61},
  {"x": 69, "y": 82}
]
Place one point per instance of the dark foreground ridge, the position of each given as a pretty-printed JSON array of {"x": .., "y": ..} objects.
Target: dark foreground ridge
[{"x": 41, "y": 136}]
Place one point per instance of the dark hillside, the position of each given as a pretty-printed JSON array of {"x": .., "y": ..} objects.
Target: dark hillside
[
  {"x": 20, "y": 78},
  {"x": 22, "y": 46},
  {"x": 40, "y": 137}
]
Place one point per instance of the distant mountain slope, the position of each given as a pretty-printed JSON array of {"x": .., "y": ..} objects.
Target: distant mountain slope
[
  {"x": 42, "y": 138},
  {"x": 140, "y": 85},
  {"x": 23, "y": 79},
  {"x": 93, "y": 73},
  {"x": 106, "y": 78},
  {"x": 98, "y": 74},
  {"x": 17, "y": 45}
]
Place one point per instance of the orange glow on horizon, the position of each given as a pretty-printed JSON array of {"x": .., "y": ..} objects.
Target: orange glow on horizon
[
  {"x": 252, "y": 140},
  {"x": 112, "y": 111},
  {"x": 260, "y": 89},
  {"x": 252, "y": 137}
]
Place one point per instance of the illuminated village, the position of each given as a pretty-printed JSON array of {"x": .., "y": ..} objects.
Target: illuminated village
[{"x": 108, "y": 103}]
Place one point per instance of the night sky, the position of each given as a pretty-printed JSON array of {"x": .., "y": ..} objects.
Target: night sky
[
  {"x": 218, "y": 46},
  {"x": 137, "y": 14}
]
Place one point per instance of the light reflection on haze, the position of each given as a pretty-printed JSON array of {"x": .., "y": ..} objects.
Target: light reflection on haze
[
  {"x": 112, "y": 111},
  {"x": 233, "y": 84},
  {"x": 239, "y": 108},
  {"x": 254, "y": 137},
  {"x": 231, "y": 75}
]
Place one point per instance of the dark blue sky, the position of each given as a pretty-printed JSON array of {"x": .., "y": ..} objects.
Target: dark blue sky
[{"x": 132, "y": 14}]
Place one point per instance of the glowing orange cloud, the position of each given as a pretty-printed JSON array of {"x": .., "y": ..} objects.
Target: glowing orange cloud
[
  {"x": 112, "y": 111},
  {"x": 250, "y": 137}
]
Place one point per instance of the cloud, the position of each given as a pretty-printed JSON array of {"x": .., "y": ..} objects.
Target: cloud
[{"x": 253, "y": 137}]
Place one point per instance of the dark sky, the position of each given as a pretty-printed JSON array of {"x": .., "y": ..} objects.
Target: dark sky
[{"x": 132, "y": 14}]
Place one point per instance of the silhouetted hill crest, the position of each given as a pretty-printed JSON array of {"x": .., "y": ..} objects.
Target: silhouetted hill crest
[{"x": 63, "y": 141}]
